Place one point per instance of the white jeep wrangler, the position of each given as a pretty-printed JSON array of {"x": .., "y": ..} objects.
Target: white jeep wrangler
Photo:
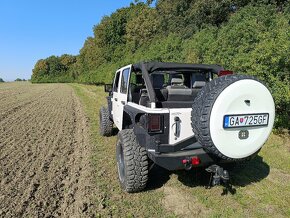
[{"x": 181, "y": 116}]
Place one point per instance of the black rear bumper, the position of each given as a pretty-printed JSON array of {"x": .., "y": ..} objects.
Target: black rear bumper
[{"x": 174, "y": 160}]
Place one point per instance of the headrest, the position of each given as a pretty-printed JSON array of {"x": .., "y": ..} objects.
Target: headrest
[
  {"x": 198, "y": 80},
  {"x": 176, "y": 81},
  {"x": 198, "y": 84}
]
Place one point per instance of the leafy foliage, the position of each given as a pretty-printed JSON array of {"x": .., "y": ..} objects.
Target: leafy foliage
[
  {"x": 247, "y": 36},
  {"x": 142, "y": 29},
  {"x": 255, "y": 41},
  {"x": 55, "y": 69},
  {"x": 20, "y": 80}
]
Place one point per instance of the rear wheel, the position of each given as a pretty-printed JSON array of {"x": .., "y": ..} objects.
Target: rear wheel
[
  {"x": 106, "y": 125},
  {"x": 132, "y": 162}
]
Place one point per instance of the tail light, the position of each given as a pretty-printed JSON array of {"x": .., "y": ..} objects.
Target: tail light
[
  {"x": 189, "y": 162},
  {"x": 225, "y": 72},
  {"x": 154, "y": 123},
  {"x": 195, "y": 161}
]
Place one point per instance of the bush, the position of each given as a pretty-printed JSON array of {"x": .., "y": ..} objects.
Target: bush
[{"x": 255, "y": 41}]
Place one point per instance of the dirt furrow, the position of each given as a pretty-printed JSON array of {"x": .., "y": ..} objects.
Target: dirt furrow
[
  {"x": 45, "y": 156},
  {"x": 25, "y": 115},
  {"x": 20, "y": 102}
]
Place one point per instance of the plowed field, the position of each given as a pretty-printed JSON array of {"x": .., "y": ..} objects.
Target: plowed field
[{"x": 45, "y": 168}]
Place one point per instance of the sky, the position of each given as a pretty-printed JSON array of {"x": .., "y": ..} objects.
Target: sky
[{"x": 35, "y": 29}]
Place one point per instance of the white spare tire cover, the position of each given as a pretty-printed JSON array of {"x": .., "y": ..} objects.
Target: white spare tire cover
[{"x": 232, "y": 95}]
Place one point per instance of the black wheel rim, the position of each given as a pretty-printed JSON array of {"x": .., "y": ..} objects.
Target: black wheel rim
[{"x": 120, "y": 161}]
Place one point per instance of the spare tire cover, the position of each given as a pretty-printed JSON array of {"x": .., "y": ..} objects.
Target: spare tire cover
[{"x": 232, "y": 95}]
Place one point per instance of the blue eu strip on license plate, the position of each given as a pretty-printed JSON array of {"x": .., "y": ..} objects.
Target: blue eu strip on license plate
[{"x": 245, "y": 120}]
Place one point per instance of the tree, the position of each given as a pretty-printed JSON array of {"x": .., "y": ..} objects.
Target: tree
[
  {"x": 55, "y": 69},
  {"x": 143, "y": 28},
  {"x": 1, "y": 80}
]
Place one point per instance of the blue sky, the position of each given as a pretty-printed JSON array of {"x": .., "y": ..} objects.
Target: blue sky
[{"x": 35, "y": 29}]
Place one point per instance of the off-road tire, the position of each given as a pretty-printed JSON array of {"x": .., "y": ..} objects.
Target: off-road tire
[
  {"x": 132, "y": 162},
  {"x": 201, "y": 111},
  {"x": 106, "y": 125}
]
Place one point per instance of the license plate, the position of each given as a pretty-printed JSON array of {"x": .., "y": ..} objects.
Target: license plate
[{"x": 246, "y": 120}]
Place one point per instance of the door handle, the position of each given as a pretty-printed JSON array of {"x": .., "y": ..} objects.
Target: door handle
[
  {"x": 116, "y": 99},
  {"x": 177, "y": 126},
  {"x": 123, "y": 102}
]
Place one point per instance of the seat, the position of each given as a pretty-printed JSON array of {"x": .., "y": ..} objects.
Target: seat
[
  {"x": 198, "y": 81},
  {"x": 144, "y": 98},
  {"x": 158, "y": 84},
  {"x": 177, "y": 91},
  {"x": 135, "y": 89}
]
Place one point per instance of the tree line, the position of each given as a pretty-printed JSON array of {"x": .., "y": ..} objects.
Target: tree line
[
  {"x": 16, "y": 80},
  {"x": 246, "y": 36}
]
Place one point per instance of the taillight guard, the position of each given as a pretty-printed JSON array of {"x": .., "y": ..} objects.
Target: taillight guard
[{"x": 155, "y": 123}]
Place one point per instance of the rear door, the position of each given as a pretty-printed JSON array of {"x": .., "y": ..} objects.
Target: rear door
[
  {"x": 115, "y": 96},
  {"x": 120, "y": 94}
]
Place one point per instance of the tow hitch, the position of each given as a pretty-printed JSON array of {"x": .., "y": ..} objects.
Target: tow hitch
[{"x": 219, "y": 176}]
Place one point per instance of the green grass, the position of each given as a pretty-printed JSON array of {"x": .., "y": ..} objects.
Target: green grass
[
  {"x": 111, "y": 199},
  {"x": 262, "y": 188}
]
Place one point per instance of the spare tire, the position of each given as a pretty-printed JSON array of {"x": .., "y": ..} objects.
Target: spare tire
[{"x": 227, "y": 96}]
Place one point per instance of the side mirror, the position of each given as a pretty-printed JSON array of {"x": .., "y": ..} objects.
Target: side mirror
[{"x": 108, "y": 87}]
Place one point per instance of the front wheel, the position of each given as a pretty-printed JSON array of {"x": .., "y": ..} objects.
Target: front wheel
[
  {"x": 106, "y": 125},
  {"x": 132, "y": 162}
]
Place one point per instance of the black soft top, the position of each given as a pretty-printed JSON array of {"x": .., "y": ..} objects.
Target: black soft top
[{"x": 150, "y": 67}]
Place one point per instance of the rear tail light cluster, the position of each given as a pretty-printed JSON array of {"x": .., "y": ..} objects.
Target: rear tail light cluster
[
  {"x": 154, "y": 123},
  {"x": 193, "y": 161}
]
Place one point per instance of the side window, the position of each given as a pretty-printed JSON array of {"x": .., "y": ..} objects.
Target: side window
[
  {"x": 125, "y": 80},
  {"x": 166, "y": 79},
  {"x": 116, "y": 83},
  {"x": 136, "y": 78}
]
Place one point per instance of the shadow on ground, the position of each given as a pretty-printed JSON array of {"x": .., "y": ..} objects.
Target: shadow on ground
[
  {"x": 158, "y": 176},
  {"x": 250, "y": 172}
]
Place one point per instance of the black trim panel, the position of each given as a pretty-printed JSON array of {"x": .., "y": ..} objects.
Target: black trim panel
[
  {"x": 165, "y": 148},
  {"x": 145, "y": 139}
]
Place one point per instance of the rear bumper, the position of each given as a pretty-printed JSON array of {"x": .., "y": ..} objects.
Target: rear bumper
[{"x": 174, "y": 160}]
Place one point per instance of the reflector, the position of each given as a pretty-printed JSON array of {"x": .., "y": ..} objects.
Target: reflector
[
  {"x": 184, "y": 161},
  {"x": 195, "y": 161}
]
